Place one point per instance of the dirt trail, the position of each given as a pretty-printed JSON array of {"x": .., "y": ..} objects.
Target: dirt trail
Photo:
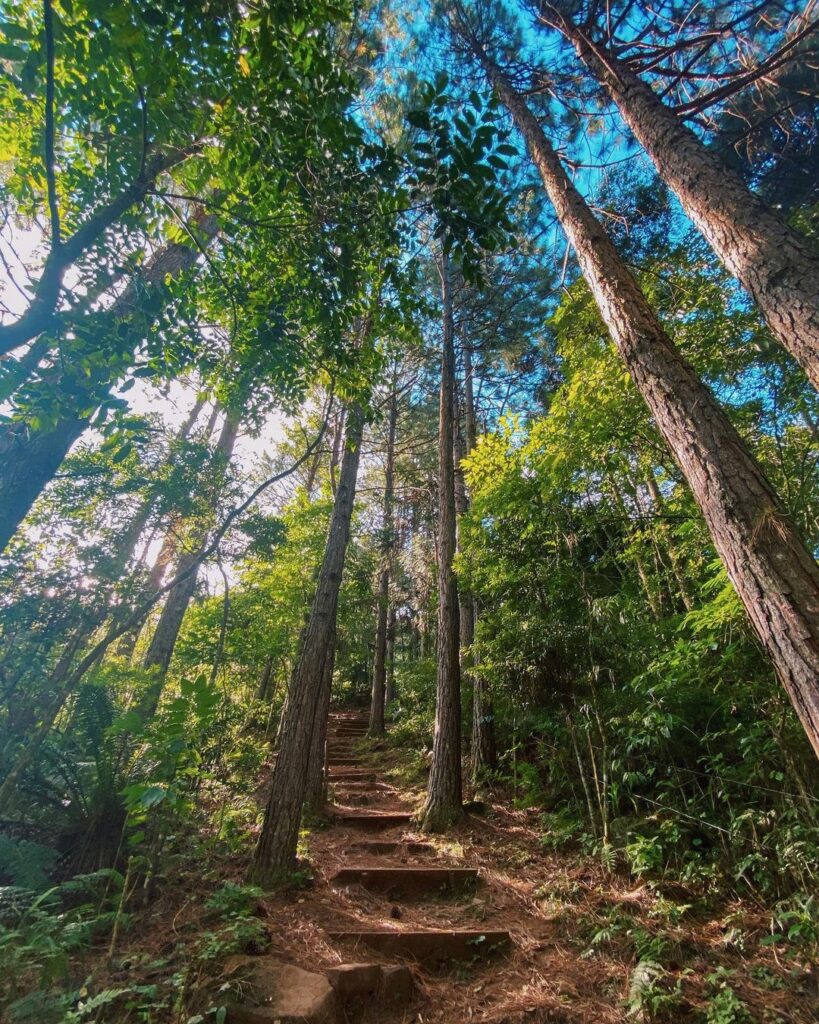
[
  {"x": 480, "y": 949},
  {"x": 536, "y": 937}
]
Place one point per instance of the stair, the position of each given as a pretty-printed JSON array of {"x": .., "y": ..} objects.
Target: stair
[
  {"x": 382, "y": 847},
  {"x": 354, "y": 782},
  {"x": 372, "y": 819},
  {"x": 351, "y": 775},
  {"x": 354, "y": 786},
  {"x": 429, "y": 946},
  {"x": 409, "y": 882}
]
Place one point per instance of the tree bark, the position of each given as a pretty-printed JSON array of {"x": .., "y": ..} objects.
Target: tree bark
[
  {"x": 29, "y": 458},
  {"x": 315, "y": 796},
  {"x": 28, "y": 461},
  {"x": 379, "y": 687},
  {"x": 391, "y": 694},
  {"x": 275, "y": 854},
  {"x": 160, "y": 650},
  {"x": 264, "y": 679},
  {"x": 774, "y": 264},
  {"x": 767, "y": 561},
  {"x": 443, "y": 803},
  {"x": 483, "y": 748}
]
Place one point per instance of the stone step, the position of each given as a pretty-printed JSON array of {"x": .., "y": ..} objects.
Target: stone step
[
  {"x": 369, "y": 787},
  {"x": 409, "y": 882},
  {"x": 351, "y": 775},
  {"x": 361, "y": 798},
  {"x": 372, "y": 819},
  {"x": 385, "y": 847},
  {"x": 429, "y": 946},
  {"x": 345, "y": 762}
]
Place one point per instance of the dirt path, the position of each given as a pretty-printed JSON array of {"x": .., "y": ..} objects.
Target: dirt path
[{"x": 535, "y": 936}]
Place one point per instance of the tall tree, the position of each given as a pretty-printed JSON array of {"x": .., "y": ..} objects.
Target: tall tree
[
  {"x": 275, "y": 853},
  {"x": 769, "y": 564},
  {"x": 163, "y": 640},
  {"x": 453, "y": 178},
  {"x": 483, "y": 754},
  {"x": 379, "y": 683},
  {"x": 775, "y": 264},
  {"x": 443, "y": 803}
]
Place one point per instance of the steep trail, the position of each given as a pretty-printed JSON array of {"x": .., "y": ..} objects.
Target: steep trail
[
  {"x": 449, "y": 908},
  {"x": 487, "y": 924},
  {"x": 395, "y": 872}
]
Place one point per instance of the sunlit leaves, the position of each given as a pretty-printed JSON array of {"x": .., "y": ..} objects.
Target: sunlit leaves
[{"x": 454, "y": 162}]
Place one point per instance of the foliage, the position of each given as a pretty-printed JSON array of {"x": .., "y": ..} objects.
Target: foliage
[{"x": 296, "y": 171}]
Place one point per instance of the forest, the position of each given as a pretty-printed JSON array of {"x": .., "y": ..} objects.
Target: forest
[{"x": 409, "y": 509}]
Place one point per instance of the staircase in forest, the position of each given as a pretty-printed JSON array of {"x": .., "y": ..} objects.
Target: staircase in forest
[
  {"x": 398, "y": 875},
  {"x": 395, "y": 911}
]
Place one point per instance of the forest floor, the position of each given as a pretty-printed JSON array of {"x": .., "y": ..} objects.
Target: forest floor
[{"x": 587, "y": 944}]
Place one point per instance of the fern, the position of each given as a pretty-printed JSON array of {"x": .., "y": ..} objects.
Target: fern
[
  {"x": 25, "y": 864},
  {"x": 39, "y": 1007},
  {"x": 94, "y": 714},
  {"x": 649, "y": 995}
]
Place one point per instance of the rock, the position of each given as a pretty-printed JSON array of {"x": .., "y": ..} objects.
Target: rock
[
  {"x": 351, "y": 980},
  {"x": 270, "y": 991},
  {"x": 397, "y": 984}
]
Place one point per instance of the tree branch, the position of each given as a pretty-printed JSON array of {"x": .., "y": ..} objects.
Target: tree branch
[
  {"x": 40, "y": 314},
  {"x": 138, "y": 615}
]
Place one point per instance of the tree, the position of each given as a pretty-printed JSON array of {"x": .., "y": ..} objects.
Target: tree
[
  {"x": 160, "y": 649},
  {"x": 453, "y": 176},
  {"x": 275, "y": 853},
  {"x": 97, "y": 82},
  {"x": 443, "y": 803},
  {"x": 773, "y": 262},
  {"x": 31, "y": 455},
  {"x": 379, "y": 687},
  {"x": 774, "y": 574}
]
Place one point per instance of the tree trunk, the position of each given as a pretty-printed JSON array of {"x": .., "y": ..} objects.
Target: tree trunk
[
  {"x": 28, "y": 461},
  {"x": 315, "y": 796},
  {"x": 391, "y": 694},
  {"x": 160, "y": 650},
  {"x": 275, "y": 854},
  {"x": 379, "y": 687},
  {"x": 136, "y": 528},
  {"x": 443, "y": 803},
  {"x": 29, "y": 458},
  {"x": 767, "y": 561},
  {"x": 264, "y": 680},
  {"x": 483, "y": 749},
  {"x": 773, "y": 262},
  {"x": 170, "y": 542}
]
